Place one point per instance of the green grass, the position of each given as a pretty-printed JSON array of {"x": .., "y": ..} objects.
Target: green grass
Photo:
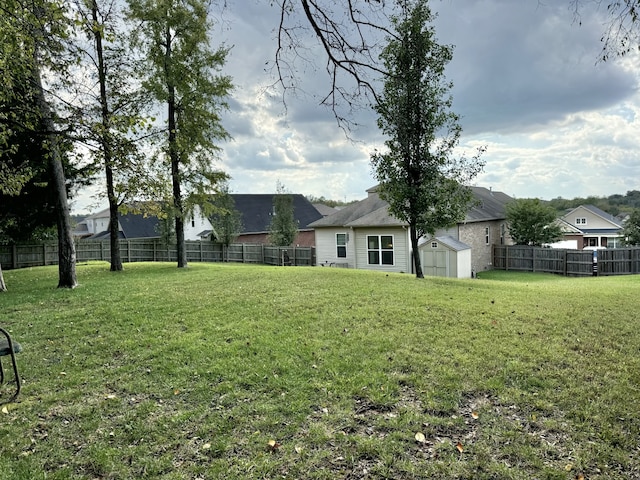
[{"x": 157, "y": 372}]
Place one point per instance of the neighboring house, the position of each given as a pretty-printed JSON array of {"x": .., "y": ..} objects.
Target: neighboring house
[
  {"x": 132, "y": 225},
  {"x": 95, "y": 223},
  {"x": 587, "y": 226},
  {"x": 256, "y": 211},
  {"x": 364, "y": 235}
]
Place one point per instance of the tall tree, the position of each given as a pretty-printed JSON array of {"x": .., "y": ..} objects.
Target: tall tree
[
  {"x": 284, "y": 226},
  {"x": 31, "y": 34},
  {"x": 114, "y": 113},
  {"x": 418, "y": 175},
  {"x": 180, "y": 72},
  {"x": 532, "y": 222},
  {"x": 226, "y": 219}
]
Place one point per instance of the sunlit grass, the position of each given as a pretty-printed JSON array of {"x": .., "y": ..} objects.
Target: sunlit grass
[{"x": 157, "y": 372}]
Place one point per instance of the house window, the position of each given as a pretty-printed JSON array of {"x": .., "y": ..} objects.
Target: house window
[
  {"x": 434, "y": 244},
  {"x": 380, "y": 249},
  {"x": 193, "y": 222},
  {"x": 487, "y": 235},
  {"x": 341, "y": 245},
  {"x": 503, "y": 232},
  {"x": 581, "y": 221}
]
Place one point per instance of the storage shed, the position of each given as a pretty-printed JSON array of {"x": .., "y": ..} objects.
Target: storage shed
[{"x": 445, "y": 257}]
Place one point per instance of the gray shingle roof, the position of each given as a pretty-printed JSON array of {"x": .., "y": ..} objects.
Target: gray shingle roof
[{"x": 373, "y": 211}]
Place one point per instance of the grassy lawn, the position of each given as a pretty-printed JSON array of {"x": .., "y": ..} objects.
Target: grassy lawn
[{"x": 238, "y": 371}]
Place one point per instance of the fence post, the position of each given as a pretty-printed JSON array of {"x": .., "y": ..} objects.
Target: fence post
[{"x": 14, "y": 256}]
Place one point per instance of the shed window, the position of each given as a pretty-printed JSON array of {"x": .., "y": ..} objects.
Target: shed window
[
  {"x": 380, "y": 249},
  {"x": 434, "y": 244},
  {"x": 341, "y": 245}
]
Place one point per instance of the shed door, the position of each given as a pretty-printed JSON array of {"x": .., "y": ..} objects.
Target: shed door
[{"x": 434, "y": 263}]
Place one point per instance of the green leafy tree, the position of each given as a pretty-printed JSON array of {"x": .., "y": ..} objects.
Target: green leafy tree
[
  {"x": 114, "y": 113},
  {"x": 418, "y": 175},
  {"x": 31, "y": 36},
  {"x": 284, "y": 226},
  {"x": 531, "y": 222},
  {"x": 631, "y": 229},
  {"x": 179, "y": 70},
  {"x": 226, "y": 220}
]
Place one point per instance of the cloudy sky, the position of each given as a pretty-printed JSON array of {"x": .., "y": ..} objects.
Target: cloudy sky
[{"x": 526, "y": 83}]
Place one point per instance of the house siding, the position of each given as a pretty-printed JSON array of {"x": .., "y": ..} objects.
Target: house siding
[
  {"x": 326, "y": 251},
  {"x": 401, "y": 256}
]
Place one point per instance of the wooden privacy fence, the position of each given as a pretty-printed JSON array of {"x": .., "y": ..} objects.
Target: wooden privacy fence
[
  {"x": 152, "y": 250},
  {"x": 615, "y": 261}
]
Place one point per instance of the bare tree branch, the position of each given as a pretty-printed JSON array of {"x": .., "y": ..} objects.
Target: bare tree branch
[
  {"x": 349, "y": 35},
  {"x": 622, "y": 30}
]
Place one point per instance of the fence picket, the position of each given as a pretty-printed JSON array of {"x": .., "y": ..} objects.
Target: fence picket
[{"x": 151, "y": 250}]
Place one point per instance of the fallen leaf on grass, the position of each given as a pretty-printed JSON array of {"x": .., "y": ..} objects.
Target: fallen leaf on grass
[
  {"x": 420, "y": 438},
  {"x": 298, "y": 449},
  {"x": 206, "y": 446},
  {"x": 273, "y": 445},
  {"x": 5, "y": 410},
  {"x": 568, "y": 467},
  {"x": 459, "y": 447},
  {"x": 580, "y": 477},
  {"x": 474, "y": 415}
]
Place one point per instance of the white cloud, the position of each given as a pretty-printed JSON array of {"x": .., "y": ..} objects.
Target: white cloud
[{"x": 526, "y": 83}]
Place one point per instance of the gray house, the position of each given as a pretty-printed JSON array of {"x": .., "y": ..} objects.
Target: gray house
[{"x": 365, "y": 235}]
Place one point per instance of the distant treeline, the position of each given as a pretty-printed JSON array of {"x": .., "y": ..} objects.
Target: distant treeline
[{"x": 614, "y": 204}]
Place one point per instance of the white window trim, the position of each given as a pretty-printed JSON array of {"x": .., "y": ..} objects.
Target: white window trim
[
  {"x": 338, "y": 245},
  {"x": 380, "y": 250}
]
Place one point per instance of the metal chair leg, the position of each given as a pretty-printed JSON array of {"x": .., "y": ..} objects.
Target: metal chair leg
[{"x": 13, "y": 348}]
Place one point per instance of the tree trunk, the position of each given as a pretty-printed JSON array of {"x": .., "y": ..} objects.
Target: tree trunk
[
  {"x": 416, "y": 254},
  {"x": 66, "y": 247},
  {"x": 174, "y": 157},
  {"x": 3, "y": 286},
  {"x": 114, "y": 224}
]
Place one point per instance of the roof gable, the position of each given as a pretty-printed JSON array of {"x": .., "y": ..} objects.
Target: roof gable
[
  {"x": 596, "y": 217},
  {"x": 372, "y": 211}
]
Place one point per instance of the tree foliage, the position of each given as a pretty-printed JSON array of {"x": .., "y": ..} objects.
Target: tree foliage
[
  {"x": 418, "y": 175},
  {"x": 180, "y": 71},
  {"x": 532, "y": 222},
  {"x": 226, "y": 220},
  {"x": 631, "y": 229},
  {"x": 31, "y": 39},
  {"x": 114, "y": 112},
  {"x": 284, "y": 226}
]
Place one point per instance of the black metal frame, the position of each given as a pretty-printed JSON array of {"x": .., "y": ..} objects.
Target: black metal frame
[{"x": 9, "y": 347}]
